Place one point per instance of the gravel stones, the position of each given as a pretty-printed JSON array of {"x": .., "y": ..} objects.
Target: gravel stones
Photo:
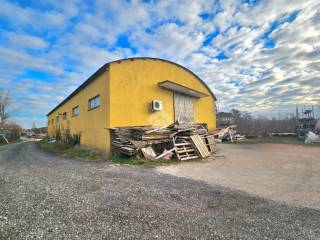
[{"x": 46, "y": 196}]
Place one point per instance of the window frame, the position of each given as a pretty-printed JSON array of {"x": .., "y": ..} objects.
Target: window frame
[
  {"x": 93, "y": 99},
  {"x": 76, "y": 107},
  {"x": 64, "y": 116}
]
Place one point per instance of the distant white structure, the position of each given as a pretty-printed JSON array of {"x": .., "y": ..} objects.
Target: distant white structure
[{"x": 312, "y": 137}]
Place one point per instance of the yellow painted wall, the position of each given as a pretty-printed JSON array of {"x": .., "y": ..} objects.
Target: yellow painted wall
[
  {"x": 134, "y": 84},
  {"x": 91, "y": 123},
  {"x": 126, "y": 91}
]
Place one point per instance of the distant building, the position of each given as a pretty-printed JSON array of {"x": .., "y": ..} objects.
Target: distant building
[
  {"x": 133, "y": 92},
  {"x": 225, "y": 119}
]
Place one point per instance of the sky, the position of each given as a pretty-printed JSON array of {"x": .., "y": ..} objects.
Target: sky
[{"x": 257, "y": 56}]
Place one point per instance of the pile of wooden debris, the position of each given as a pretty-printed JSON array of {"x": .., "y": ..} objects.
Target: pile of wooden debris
[
  {"x": 228, "y": 134},
  {"x": 186, "y": 141}
]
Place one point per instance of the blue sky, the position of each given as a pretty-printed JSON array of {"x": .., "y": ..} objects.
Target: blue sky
[{"x": 258, "y": 56}]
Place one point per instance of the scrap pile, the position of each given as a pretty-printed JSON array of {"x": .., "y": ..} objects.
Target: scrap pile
[
  {"x": 312, "y": 138},
  {"x": 228, "y": 134},
  {"x": 186, "y": 141}
]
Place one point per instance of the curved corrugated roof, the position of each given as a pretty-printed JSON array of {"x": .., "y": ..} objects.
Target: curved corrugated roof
[{"x": 104, "y": 67}]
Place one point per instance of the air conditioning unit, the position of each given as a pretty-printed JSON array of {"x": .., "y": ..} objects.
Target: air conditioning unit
[{"x": 156, "y": 105}]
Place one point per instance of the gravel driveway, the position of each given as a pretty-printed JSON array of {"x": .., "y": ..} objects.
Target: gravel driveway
[
  {"x": 45, "y": 196},
  {"x": 281, "y": 172}
]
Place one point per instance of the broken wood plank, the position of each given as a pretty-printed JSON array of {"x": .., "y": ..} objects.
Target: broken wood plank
[
  {"x": 165, "y": 153},
  {"x": 148, "y": 152}
]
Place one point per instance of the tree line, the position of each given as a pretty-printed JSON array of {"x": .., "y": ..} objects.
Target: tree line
[{"x": 249, "y": 125}]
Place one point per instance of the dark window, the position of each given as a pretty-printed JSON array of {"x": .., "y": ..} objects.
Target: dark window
[
  {"x": 57, "y": 119},
  {"x": 94, "y": 102},
  {"x": 75, "y": 111},
  {"x": 64, "y": 116}
]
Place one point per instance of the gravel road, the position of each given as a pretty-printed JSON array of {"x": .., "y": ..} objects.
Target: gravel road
[
  {"x": 281, "y": 172},
  {"x": 45, "y": 196}
]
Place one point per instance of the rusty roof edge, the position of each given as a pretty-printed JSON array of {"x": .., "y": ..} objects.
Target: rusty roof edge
[{"x": 103, "y": 69}]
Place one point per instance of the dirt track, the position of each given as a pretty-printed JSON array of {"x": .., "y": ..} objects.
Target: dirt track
[
  {"x": 285, "y": 173},
  {"x": 45, "y": 196}
]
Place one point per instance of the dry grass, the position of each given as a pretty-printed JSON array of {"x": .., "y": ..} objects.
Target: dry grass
[{"x": 70, "y": 151}]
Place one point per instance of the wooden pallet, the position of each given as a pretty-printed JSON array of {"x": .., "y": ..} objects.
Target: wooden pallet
[
  {"x": 200, "y": 146},
  {"x": 185, "y": 151},
  {"x": 211, "y": 143}
]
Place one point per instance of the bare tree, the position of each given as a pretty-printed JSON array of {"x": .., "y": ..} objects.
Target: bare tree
[
  {"x": 246, "y": 124},
  {"x": 236, "y": 114},
  {"x": 4, "y": 104},
  {"x": 34, "y": 126}
]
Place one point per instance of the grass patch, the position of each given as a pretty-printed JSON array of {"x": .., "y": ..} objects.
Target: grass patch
[
  {"x": 17, "y": 140},
  {"x": 276, "y": 140},
  {"x": 134, "y": 161},
  {"x": 90, "y": 154},
  {"x": 69, "y": 150}
]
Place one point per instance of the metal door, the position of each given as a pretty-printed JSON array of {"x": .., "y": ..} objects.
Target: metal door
[{"x": 183, "y": 108}]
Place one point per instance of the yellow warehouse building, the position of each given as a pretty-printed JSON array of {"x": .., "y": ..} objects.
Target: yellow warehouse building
[{"x": 133, "y": 92}]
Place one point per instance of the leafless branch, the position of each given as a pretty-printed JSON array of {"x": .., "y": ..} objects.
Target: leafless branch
[{"x": 4, "y": 104}]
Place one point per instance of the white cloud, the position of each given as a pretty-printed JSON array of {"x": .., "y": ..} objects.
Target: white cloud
[
  {"x": 15, "y": 59},
  {"x": 170, "y": 40},
  {"x": 71, "y": 39},
  {"x": 25, "y": 41},
  {"x": 31, "y": 18}
]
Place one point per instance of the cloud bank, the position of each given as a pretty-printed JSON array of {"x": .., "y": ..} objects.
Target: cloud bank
[{"x": 258, "y": 56}]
